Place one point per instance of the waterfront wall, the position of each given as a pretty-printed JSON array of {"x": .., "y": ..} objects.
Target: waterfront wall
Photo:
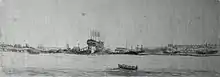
[{"x": 147, "y": 22}]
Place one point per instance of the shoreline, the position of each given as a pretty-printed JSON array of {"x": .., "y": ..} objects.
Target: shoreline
[{"x": 97, "y": 54}]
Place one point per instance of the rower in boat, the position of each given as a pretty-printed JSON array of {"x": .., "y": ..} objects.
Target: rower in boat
[{"x": 127, "y": 67}]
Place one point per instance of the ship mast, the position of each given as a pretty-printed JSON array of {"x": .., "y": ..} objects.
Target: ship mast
[
  {"x": 126, "y": 43},
  {"x": 171, "y": 24},
  {"x": 3, "y": 50},
  {"x": 92, "y": 35},
  {"x": 89, "y": 34},
  {"x": 204, "y": 40},
  {"x": 57, "y": 11}
]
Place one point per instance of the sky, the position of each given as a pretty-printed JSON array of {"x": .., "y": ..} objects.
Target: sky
[{"x": 120, "y": 22}]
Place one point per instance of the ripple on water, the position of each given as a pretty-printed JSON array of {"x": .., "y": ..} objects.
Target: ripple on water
[{"x": 96, "y": 66}]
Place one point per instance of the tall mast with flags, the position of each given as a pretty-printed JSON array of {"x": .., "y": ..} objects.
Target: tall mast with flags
[{"x": 57, "y": 11}]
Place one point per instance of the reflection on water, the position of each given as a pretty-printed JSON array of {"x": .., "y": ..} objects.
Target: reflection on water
[{"x": 65, "y": 65}]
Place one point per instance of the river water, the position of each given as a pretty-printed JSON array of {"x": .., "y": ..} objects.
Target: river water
[{"x": 70, "y": 65}]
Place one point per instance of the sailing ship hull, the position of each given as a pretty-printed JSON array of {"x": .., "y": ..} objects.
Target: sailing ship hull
[
  {"x": 207, "y": 52},
  {"x": 85, "y": 52},
  {"x": 33, "y": 51}
]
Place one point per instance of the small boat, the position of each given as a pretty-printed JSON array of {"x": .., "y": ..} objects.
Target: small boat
[{"x": 127, "y": 67}]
